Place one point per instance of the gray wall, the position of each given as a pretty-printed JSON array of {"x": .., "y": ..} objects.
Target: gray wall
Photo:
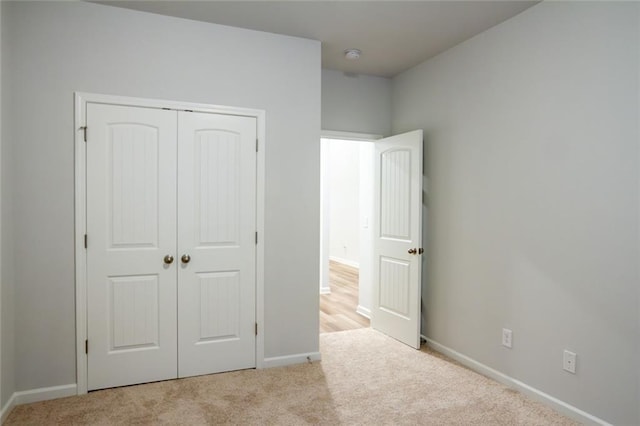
[
  {"x": 7, "y": 366},
  {"x": 356, "y": 103},
  {"x": 1, "y": 280},
  {"x": 61, "y": 47},
  {"x": 532, "y": 164}
]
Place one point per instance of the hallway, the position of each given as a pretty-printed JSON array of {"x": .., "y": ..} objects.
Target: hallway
[{"x": 338, "y": 309}]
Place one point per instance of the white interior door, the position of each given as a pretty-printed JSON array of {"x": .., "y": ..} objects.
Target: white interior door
[
  {"x": 217, "y": 243},
  {"x": 398, "y": 242},
  {"x": 131, "y": 227}
]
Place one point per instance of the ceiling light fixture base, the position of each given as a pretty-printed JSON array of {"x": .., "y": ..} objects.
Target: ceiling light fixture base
[{"x": 352, "y": 54}]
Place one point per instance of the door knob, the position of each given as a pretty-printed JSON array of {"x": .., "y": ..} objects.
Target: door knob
[
  {"x": 168, "y": 259},
  {"x": 186, "y": 258},
  {"x": 412, "y": 251}
]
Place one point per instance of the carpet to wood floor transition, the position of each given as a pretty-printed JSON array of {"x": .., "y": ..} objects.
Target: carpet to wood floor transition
[{"x": 364, "y": 378}]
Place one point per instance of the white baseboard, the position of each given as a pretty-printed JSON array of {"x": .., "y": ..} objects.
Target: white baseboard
[
  {"x": 281, "y": 361},
  {"x": 347, "y": 262},
  {"x": 325, "y": 290},
  {"x": 36, "y": 395},
  {"x": 365, "y": 312},
  {"x": 538, "y": 395},
  {"x": 6, "y": 410},
  {"x": 44, "y": 394}
]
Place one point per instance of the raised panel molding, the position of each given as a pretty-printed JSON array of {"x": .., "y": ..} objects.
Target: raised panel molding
[
  {"x": 395, "y": 193},
  {"x": 133, "y": 169},
  {"x": 134, "y": 312},
  {"x": 219, "y": 306},
  {"x": 217, "y": 159},
  {"x": 394, "y": 286}
]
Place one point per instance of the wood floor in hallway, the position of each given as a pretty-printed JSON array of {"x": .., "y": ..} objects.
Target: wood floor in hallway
[{"x": 338, "y": 309}]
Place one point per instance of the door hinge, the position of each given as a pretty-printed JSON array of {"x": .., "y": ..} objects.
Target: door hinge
[
  {"x": 256, "y": 237},
  {"x": 86, "y": 346},
  {"x": 85, "y": 240},
  {"x": 256, "y": 145},
  {"x": 256, "y": 329},
  {"x": 84, "y": 131}
]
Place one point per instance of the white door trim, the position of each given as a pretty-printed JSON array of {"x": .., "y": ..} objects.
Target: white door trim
[
  {"x": 81, "y": 100},
  {"x": 349, "y": 136}
]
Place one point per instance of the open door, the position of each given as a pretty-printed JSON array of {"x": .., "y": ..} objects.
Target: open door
[{"x": 398, "y": 237}]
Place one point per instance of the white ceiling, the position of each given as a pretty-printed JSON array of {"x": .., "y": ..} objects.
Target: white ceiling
[{"x": 393, "y": 35}]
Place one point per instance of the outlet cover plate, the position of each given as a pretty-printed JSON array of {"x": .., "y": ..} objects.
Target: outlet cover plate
[
  {"x": 569, "y": 361},
  {"x": 507, "y": 338}
]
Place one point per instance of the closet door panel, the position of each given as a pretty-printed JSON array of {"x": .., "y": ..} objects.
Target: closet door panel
[
  {"x": 131, "y": 227},
  {"x": 216, "y": 242}
]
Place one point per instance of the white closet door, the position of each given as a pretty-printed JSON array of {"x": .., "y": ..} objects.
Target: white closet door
[
  {"x": 216, "y": 242},
  {"x": 131, "y": 227},
  {"x": 398, "y": 237}
]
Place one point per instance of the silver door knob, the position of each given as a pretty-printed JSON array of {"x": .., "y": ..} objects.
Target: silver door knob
[
  {"x": 168, "y": 259},
  {"x": 185, "y": 258}
]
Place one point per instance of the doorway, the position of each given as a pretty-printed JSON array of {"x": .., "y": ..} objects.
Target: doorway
[
  {"x": 389, "y": 220},
  {"x": 346, "y": 280}
]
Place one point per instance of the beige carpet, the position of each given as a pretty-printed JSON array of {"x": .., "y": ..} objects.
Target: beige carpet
[{"x": 364, "y": 378}]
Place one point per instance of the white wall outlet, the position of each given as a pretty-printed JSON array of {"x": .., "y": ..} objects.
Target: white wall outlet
[
  {"x": 569, "y": 361},
  {"x": 507, "y": 337}
]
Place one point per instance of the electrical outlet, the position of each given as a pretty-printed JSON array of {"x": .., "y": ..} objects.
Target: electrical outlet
[
  {"x": 569, "y": 361},
  {"x": 507, "y": 337}
]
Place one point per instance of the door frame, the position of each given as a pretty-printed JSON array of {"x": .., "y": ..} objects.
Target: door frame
[{"x": 81, "y": 99}]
